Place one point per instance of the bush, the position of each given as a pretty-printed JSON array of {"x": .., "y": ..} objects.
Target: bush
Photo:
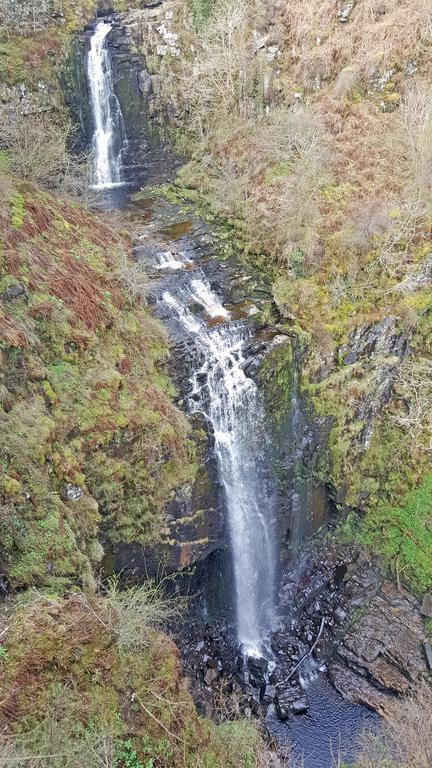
[{"x": 405, "y": 740}]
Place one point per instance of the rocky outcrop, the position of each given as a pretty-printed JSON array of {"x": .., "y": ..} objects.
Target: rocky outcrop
[
  {"x": 195, "y": 525},
  {"x": 382, "y": 653},
  {"x": 345, "y": 9},
  {"x": 139, "y": 42},
  {"x": 378, "y": 349}
]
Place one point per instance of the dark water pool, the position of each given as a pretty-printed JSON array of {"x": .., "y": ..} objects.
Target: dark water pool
[{"x": 330, "y": 727}]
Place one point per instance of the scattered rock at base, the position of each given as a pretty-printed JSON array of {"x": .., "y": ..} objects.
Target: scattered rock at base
[{"x": 290, "y": 700}]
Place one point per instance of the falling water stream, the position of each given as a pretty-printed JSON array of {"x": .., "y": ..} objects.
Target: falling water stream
[
  {"x": 231, "y": 401},
  {"x": 109, "y": 133}
]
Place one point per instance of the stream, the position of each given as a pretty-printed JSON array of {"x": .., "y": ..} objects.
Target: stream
[{"x": 244, "y": 640}]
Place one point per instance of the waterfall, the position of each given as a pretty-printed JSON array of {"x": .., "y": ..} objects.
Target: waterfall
[
  {"x": 109, "y": 134},
  {"x": 231, "y": 401}
]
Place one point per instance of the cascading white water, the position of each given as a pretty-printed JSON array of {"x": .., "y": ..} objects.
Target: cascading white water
[
  {"x": 232, "y": 403},
  {"x": 108, "y": 136}
]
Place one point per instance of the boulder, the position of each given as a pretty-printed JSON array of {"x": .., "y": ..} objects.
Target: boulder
[
  {"x": 290, "y": 700},
  {"x": 427, "y": 648},
  {"x": 210, "y": 676},
  {"x": 426, "y": 606},
  {"x": 345, "y": 9}
]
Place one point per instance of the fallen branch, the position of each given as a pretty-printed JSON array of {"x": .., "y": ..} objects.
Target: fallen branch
[{"x": 308, "y": 653}]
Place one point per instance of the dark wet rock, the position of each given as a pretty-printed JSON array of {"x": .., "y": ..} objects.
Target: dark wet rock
[
  {"x": 257, "y": 669},
  {"x": 381, "y": 340},
  {"x": 427, "y": 649},
  {"x": 375, "y": 352},
  {"x": 290, "y": 700},
  {"x": 381, "y": 654},
  {"x": 426, "y": 606},
  {"x": 255, "y": 706},
  {"x": 14, "y": 292}
]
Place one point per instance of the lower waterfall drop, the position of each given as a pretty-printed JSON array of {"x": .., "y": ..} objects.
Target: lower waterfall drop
[{"x": 232, "y": 402}]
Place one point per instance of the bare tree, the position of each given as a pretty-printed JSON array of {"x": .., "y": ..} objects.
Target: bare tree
[
  {"x": 225, "y": 68},
  {"x": 414, "y": 390}
]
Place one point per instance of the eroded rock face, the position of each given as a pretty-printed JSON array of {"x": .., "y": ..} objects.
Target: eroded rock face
[
  {"x": 379, "y": 350},
  {"x": 195, "y": 527},
  {"x": 382, "y": 653}
]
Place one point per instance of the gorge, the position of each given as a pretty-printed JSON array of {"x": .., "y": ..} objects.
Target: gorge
[
  {"x": 212, "y": 395},
  {"x": 216, "y": 385}
]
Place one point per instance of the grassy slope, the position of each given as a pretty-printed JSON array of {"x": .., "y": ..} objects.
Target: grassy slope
[
  {"x": 85, "y": 400},
  {"x": 84, "y": 681}
]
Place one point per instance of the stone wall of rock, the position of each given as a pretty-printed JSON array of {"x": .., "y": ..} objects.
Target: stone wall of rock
[{"x": 383, "y": 652}]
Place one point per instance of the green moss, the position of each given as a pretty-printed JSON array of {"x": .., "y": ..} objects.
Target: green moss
[
  {"x": 17, "y": 210},
  {"x": 89, "y": 400},
  {"x": 402, "y": 535},
  {"x": 276, "y": 377}
]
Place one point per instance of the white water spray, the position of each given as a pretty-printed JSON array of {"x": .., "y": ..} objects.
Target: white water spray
[
  {"x": 231, "y": 401},
  {"x": 108, "y": 136}
]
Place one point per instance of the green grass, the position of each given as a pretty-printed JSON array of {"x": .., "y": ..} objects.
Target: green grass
[{"x": 402, "y": 536}]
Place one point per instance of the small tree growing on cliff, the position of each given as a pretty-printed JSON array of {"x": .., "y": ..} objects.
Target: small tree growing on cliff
[{"x": 224, "y": 75}]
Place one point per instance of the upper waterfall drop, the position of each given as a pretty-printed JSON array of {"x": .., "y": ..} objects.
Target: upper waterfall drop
[{"x": 109, "y": 134}]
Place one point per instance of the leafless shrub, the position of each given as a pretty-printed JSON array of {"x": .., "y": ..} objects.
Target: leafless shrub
[
  {"x": 134, "y": 279},
  {"x": 37, "y": 146},
  {"x": 369, "y": 219},
  {"x": 415, "y": 135},
  {"x": 225, "y": 70},
  {"x": 132, "y": 612},
  {"x": 413, "y": 388},
  {"x": 406, "y": 738}
]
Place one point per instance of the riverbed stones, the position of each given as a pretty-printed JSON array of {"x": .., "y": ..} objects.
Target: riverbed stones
[{"x": 290, "y": 700}]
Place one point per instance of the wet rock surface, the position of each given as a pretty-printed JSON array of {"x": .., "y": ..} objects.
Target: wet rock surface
[
  {"x": 382, "y": 653},
  {"x": 370, "y": 636}
]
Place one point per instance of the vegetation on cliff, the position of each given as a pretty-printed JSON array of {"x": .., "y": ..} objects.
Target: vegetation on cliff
[
  {"x": 91, "y": 681},
  {"x": 90, "y": 434},
  {"x": 310, "y": 131},
  {"x": 92, "y": 448}
]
